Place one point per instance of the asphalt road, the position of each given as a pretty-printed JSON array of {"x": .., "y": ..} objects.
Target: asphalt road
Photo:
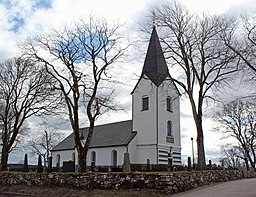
[{"x": 238, "y": 188}]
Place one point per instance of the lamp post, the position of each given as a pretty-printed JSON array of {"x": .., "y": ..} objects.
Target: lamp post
[{"x": 193, "y": 156}]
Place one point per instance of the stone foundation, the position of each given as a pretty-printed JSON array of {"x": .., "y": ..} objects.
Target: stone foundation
[{"x": 167, "y": 182}]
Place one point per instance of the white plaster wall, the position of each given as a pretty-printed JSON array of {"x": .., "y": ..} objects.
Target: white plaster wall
[
  {"x": 140, "y": 153},
  {"x": 144, "y": 122},
  {"x": 104, "y": 155},
  {"x": 167, "y": 89},
  {"x": 146, "y": 152},
  {"x": 65, "y": 155},
  {"x": 152, "y": 127},
  {"x": 132, "y": 149},
  {"x": 164, "y": 90}
]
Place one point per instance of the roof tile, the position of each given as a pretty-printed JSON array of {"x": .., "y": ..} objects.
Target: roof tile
[{"x": 113, "y": 134}]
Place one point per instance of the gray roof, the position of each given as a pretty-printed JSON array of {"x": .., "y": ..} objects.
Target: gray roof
[
  {"x": 155, "y": 66},
  {"x": 113, "y": 134}
]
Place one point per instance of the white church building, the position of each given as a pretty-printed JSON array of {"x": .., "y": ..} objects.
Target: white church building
[{"x": 152, "y": 136}]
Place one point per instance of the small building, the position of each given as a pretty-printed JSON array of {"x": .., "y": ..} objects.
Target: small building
[{"x": 152, "y": 136}]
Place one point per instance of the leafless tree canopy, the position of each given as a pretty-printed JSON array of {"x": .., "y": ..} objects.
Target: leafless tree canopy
[
  {"x": 241, "y": 38},
  {"x": 25, "y": 91},
  {"x": 44, "y": 140},
  {"x": 81, "y": 58},
  {"x": 238, "y": 120},
  {"x": 233, "y": 156},
  {"x": 193, "y": 45}
]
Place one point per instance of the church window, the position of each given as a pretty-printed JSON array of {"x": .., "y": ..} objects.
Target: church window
[
  {"x": 58, "y": 160},
  {"x": 114, "y": 158},
  {"x": 93, "y": 158},
  {"x": 169, "y": 128},
  {"x": 145, "y": 103},
  {"x": 169, "y": 104}
]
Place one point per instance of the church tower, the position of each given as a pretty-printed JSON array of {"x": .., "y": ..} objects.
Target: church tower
[{"x": 156, "y": 110}]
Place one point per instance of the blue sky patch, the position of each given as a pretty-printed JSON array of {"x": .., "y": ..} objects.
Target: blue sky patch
[
  {"x": 17, "y": 23},
  {"x": 45, "y": 4},
  {"x": 17, "y": 15}
]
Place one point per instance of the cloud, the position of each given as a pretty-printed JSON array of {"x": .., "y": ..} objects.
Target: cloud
[
  {"x": 241, "y": 7},
  {"x": 214, "y": 7},
  {"x": 21, "y": 18}
]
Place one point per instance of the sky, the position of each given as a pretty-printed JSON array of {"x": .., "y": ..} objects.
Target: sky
[{"x": 22, "y": 18}]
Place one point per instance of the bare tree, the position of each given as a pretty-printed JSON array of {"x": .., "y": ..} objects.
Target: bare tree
[
  {"x": 25, "y": 91},
  {"x": 194, "y": 47},
  {"x": 44, "y": 140},
  {"x": 80, "y": 58},
  {"x": 232, "y": 155},
  {"x": 241, "y": 39},
  {"x": 238, "y": 120}
]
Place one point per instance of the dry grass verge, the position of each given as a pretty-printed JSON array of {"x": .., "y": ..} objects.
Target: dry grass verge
[{"x": 33, "y": 191}]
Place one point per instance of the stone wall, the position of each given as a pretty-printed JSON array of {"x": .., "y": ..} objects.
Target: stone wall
[{"x": 167, "y": 182}]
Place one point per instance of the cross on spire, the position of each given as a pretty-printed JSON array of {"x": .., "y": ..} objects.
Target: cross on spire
[{"x": 154, "y": 19}]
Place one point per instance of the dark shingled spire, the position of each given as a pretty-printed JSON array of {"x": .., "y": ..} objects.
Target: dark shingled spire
[{"x": 155, "y": 67}]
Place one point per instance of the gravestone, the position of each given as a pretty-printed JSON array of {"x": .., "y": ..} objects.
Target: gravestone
[
  {"x": 210, "y": 164},
  {"x": 49, "y": 164},
  {"x": 148, "y": 165},
  {"x": 92, "y": 166},
  {"x": 127, "y": 163},
  {"x": 39, "y": 165},
  {"x": 68, "y": 166},
  {"x": 25, "y": 166},
  {"x": 189, "y": 164}
]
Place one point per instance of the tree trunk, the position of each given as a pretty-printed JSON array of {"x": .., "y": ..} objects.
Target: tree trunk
[
  {"x": 4, "y": 159},
  {"x": 250, "y": 160},
  {"x": 246, "y": 164},
  {"x": 197, "y": 115},
  {"x": 84, "y": 150},
  {"x": 45, "y": 160},
  {"x": 253, "y": 156},
  {"x": 200, "y": 144},
  {"x": 82, "y": 160}
]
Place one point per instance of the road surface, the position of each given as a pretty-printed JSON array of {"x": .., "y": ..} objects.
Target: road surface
[{"x": 238, "y": 188}]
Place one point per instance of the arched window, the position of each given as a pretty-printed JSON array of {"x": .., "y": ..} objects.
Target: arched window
[
  {"x": 73, "y": 157},
  {"x": 169, "y": 128},
  {"x": 148, "y": 161},
  {"x": 58, "y": 160},
  {"x": 114, "y": 158},
  {"x": 145, "y": 103},
  {"x": 148, "y": 165},
  {"x": 93, "y": 158},
  {"x": 169, "y": 104}
]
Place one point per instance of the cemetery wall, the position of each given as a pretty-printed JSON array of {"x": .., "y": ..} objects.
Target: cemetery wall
[{"x": 167, "y": 182}]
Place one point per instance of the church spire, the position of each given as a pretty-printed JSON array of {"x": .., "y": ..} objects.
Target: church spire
[{"x": 155, "y": 67}]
